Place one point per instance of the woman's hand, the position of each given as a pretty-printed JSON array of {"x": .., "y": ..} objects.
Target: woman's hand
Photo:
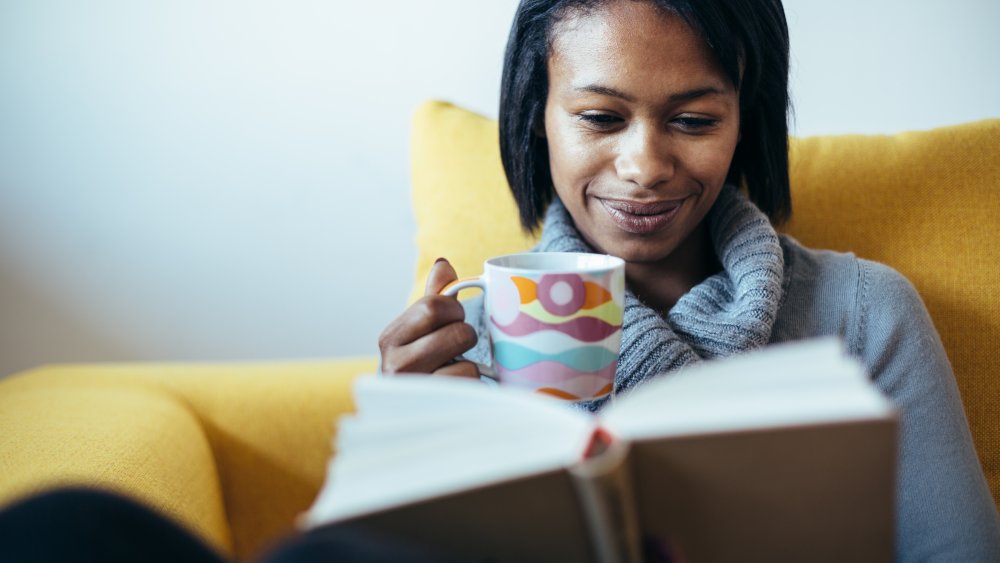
[{"x": 431, "y": 333}]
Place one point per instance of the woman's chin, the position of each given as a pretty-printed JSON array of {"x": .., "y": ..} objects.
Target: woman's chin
[{"x": 638, "y": 252}]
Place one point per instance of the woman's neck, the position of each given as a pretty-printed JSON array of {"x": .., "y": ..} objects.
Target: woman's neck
[{"x": 661, "y": 284}]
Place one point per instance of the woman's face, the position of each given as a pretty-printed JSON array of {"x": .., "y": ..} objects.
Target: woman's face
[{"x": 641, "y": 126}]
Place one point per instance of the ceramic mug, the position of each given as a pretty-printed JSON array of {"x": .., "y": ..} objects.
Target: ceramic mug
[{"x": 554, "y": 320}]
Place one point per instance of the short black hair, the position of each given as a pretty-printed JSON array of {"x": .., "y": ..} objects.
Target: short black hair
[{"x": 749, "y": 39}]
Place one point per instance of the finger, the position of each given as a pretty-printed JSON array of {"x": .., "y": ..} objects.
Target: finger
[
  {"x": 459, "y": 369},
  {"x": 441, "y": 274},
  {"x": 432, "y": 351},
  {"x": 420, "y": 319}
]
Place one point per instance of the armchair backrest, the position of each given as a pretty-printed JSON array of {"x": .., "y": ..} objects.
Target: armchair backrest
[{"x": 926, "y": 203}]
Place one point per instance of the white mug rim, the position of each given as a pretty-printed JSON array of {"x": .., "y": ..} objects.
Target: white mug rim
[{"x": 606, "y": 263}]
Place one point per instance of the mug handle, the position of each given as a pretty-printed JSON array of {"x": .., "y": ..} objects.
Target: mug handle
[
  {"x": 486, "y": 372},
  {"x": 463, "y": 283}
]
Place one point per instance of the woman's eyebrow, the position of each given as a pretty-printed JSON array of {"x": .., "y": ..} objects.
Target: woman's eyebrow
[
  {"x": 674, "y": 98},
  {"x": 604, "y": 91},
  {"x": 695, "y": 93}
]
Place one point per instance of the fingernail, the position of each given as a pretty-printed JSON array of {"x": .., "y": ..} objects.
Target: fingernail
[{"x": 441, "y": 260}]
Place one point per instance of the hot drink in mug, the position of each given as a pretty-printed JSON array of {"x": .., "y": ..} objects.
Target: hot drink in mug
[{"x": 554, "y": 320}]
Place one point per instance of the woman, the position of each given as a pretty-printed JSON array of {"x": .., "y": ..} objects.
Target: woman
[{"x": 624, "y": 127}]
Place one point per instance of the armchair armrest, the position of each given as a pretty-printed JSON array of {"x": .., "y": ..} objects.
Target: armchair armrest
[
  {"x": 233, "y": 451},
  {"x": 133, "y": 441}
]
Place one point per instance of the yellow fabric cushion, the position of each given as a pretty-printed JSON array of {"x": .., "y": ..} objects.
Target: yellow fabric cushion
[
  {"x": 232, "y": 451},
  {"x": 457, "y": 177},
  {"x": 133, "y": 441},
  {"x": 925, "y": 203}
]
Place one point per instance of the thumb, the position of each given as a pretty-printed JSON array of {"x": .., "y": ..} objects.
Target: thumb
[{"x": 441, "y": 274}]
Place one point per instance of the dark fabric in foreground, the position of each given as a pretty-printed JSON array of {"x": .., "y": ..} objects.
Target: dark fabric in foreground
[{"x": 92, "y": 526}]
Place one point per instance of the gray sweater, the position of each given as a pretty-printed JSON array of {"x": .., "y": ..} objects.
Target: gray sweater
[{"x": 944, "y": 508}]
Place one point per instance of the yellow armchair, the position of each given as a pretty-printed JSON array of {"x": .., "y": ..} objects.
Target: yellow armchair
[{"x": 235, "y": 451}]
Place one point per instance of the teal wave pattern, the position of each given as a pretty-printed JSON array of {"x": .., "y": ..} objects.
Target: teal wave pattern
[{"x": 585, "y": 358}]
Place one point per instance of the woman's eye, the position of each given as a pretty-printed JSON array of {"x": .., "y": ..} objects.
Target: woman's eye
[
  {"x": 695, "y": 123},
  {"x": 600, "y": 120}
]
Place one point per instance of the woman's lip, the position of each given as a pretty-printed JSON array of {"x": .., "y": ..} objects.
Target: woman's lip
[{"x": 639, "y": 217}]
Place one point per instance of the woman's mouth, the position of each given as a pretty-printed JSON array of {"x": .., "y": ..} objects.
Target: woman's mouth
[{"x": 641, "y": 218}]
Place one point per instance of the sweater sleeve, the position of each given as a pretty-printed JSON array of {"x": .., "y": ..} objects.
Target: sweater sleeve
[{"x": 944, "y": 508}]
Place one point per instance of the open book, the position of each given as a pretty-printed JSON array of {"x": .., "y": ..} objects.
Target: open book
[{"x": 787, "y": 454}]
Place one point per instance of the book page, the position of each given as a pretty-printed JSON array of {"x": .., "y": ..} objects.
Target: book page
[
  {"x": 416, "y": 438},
  {"x": 798, "y": 383}
]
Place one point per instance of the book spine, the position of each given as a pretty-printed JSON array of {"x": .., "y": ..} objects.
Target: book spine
[{"x": 604, "y": 489}]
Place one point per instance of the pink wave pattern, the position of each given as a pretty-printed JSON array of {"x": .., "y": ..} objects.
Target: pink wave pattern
[
  {"x": 585, "y": 329},
  {"x": 551, "y": 373}
]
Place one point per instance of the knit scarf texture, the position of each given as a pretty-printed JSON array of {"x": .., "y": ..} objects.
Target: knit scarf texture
[{"x": 730, "y": 312}]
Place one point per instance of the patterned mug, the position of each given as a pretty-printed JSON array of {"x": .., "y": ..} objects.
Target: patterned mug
[{"x": 554, "y": 320}]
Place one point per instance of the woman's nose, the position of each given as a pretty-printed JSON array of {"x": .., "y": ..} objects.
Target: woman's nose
[{"x": 644, "y": 157}]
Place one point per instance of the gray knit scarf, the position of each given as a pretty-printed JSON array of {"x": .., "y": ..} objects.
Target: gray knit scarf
[{"x": 728, "y": 313}]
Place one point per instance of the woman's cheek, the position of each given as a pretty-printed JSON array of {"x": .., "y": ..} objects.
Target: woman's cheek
[
  {"x": 710, "y": 162},
  {"x": 572, "y": 164}
]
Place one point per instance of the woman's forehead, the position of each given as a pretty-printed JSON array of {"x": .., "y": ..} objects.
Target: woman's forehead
[{"x": 630, "y": 43}]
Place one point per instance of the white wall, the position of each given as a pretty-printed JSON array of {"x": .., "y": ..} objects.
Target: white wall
[
  {"x": 883, "y": 66},
  {"x": 195, "y": 180}
]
